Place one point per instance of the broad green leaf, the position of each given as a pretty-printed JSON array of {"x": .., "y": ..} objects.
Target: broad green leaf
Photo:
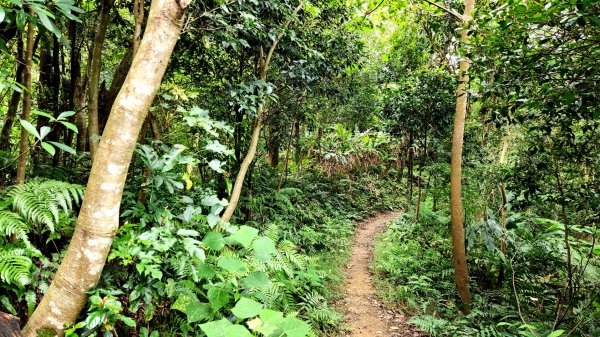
[
  {"x": 30, "y": 128},
  {"x": 198, "y": 311},
  {"x": 216, "y": 328},
  {"x": 246, "y": 308},
  {"x": 183, "y": 301},
  {"x": 556, "y": 333},
  {"x": 257, "y": 280},
  {"x": 64, "y": 147},
  {"x": 218, "y": 297},
  {"x": 245, "y": 235},
  {"x": 49, "y": 148},
  {"x": 214, "y": 241},
  {"x": 66, "y": 114},
  {"x": 264, "y": 248},
  {"x": 44, "y": 131},
  {"x": 294, "y": 327},
  {"x": 231, "y": 264},
  {"x": 70, "y": 126},
  {"x": 237, "y": 331}
]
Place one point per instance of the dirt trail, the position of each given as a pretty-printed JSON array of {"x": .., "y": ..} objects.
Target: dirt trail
[{"x": 366, "y": 316}]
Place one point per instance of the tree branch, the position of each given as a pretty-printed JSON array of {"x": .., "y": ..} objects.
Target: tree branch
[{"x": 452, "y": 12}]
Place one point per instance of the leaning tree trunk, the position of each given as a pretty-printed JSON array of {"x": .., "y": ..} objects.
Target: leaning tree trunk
[
  {"x": 95, "y": 64},
  {"x": 24, "y": 142},
  {"x": 99, "y": 216},
  {"x": 239, "y": 179},
  {"x": 456, "y": 211}
]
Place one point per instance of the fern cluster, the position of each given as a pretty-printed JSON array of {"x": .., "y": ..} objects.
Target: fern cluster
[{"x": 35, "y": 206}]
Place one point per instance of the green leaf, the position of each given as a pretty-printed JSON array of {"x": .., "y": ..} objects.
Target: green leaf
[
  {"x": 64, "y": 147},
  {"x": 294, "y": 327},
  {"x": 231, "y": 264},
  {"x": 218, "y": 297},
  {"x": 214, "y": 241},
  {"x": 2, "y": 14},
  {"x": 44, "y": 131},
  {"x": 197, "y": 311},
  {"x": 237, "y": 330},
  {"x": 183, "y": 301},
  {"x": 245, "y": 235},
  {"x": 70, "y": 126},
  {"x": 556, "y": 333},
  {"x": 257, "y": 280},
  {"x": 49, "y": 148},
  {"x": 246, "y": 308},
  {"x": 30, "y": 128},
  {"x": 216, "y": 328},
  {"x": 127, "y": 320},
  {"x": 66, "y": 114},
  {"x": 264, "y": 248}
]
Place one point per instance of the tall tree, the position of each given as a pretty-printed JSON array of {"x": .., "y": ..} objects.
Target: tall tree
[
  {"x": 99, "y": 216},
  {"x": 265, "y": 61},
  {"x": 456, "y": 210}
]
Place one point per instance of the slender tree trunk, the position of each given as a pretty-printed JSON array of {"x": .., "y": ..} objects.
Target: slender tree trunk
[
  {"x": 138, "y": 13},
  {"x": 15, "y": 98},
  {"x": 503, "y": 211},
  {"x": 98, "y": 219},
  {"x": 456, "y": 210},
  {"x": 24, "y": 142},
  {"x": 95, "y": 65},
  {"x": 239, "y": 179},
  {"x": 420, "y": 182},
  {"x": 287, "y": 158}
]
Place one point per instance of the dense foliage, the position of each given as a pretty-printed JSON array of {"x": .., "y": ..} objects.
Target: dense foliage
[{"x": 316, "y": 114}]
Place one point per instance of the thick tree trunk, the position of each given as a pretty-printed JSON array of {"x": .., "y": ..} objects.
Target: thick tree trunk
[
  {"x": 456, "y": 210},
  {"x": 99, "y": 216},
  {"x": 24, "y": 142},
  {"x": 95, "y": 65},
  {"x": 15, "y": 98}
]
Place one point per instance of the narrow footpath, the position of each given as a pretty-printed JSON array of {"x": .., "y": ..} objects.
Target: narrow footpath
[{"x": 366, "y": 315}]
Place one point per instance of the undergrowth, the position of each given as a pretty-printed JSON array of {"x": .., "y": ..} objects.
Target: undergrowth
[{"x": 512, "y": 296}]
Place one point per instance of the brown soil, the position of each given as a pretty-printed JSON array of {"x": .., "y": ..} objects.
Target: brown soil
[{"x": 366, "y": 315}]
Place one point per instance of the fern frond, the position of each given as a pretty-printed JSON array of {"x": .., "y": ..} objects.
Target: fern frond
[
  {"x": 15, "y": 266},
  {"x": 40, "y": 202}
]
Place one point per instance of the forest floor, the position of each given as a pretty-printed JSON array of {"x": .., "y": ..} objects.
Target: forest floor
[{"x": 366, "y": 314}]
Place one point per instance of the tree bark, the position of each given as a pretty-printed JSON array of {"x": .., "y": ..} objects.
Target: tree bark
[
  {"x": 99, "y": 216},
  {"x": 456, "y": 211},
  {"x": 24, "y": 142},
  {"x": 15, "y": 98},
  {"x": 95, "y": 65}
]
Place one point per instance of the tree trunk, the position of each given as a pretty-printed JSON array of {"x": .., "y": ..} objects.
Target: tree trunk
[
  {"x": 239, "y": 179},
  {"x": 15, "y": 98},
  {"x": 420, "y": 182},
  {"x": 456, "y": 211},
  {"x": 95, "y": 65},
  {"x": 107, "y": 99},
  {"x": 24, "y": 142},
  {"x": 98, "y": 219},
  {"x": 287, "y": 157}
]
